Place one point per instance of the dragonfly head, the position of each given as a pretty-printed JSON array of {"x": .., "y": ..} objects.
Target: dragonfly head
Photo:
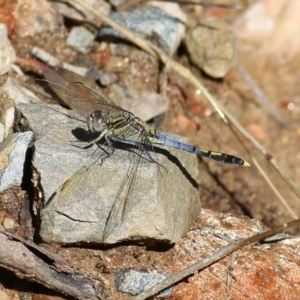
[{"x": 96, "y": 121}]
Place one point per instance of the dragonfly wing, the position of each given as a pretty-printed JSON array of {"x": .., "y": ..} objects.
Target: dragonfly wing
[
  {"x": 98, "y": 97},
  {"x": 133, "y": 187},
  {"x": 82, "y": 98},
  {"x": 80, "y": 204}
]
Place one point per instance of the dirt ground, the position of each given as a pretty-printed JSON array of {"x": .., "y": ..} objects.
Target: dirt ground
[{"x": 222, "y": 188}]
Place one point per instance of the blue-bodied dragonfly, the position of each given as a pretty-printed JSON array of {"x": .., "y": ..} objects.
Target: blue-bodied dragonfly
[{"x": 116, "y": 125}]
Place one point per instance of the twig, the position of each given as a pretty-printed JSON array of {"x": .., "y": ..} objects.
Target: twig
[
  {"x": 214, "y": 258},
  {"x": 16, "y": 257},
  {"x": 49, "y": 254},
  {"x": 273, "y": 187},
  {"x": 263, "y": 97},
  {"x": 184, "y": 72},
  {"x": 205, "y": 4}
]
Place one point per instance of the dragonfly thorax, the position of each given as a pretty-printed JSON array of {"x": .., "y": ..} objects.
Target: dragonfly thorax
[{"x": 96, "y": 121}]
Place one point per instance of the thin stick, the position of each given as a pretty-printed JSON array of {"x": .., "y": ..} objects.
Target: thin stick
[
  {"x": 184, "y": 72},
  {"x": 214, "y": 258}
]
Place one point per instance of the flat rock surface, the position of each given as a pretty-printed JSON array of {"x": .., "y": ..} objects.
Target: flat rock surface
[{"x": 79, "y": 192}]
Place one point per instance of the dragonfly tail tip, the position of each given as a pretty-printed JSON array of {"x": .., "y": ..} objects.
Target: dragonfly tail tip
[{"x": 246, "y": 164}]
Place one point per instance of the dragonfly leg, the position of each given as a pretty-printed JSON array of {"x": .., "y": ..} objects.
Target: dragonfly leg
[
  {"x": 98, "y": 138},
  {"x": 109, "y": 143},
  {"x": 151, "y": 159}
]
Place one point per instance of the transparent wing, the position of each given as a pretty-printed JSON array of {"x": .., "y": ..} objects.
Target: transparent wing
[
  {"x": 133, "y": 187},
  {"x": 78, "y": 180},
  {"x": 83, "y": 99},
  {"x": 116, "y": 189},
  {"x": 79, "y": 207}
]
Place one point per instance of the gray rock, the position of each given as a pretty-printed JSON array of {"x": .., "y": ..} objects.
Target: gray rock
[
  {"x": 152, "y": 23},
  {"x": 79, "y": 37},
  {"x": 108, "y": 78},
  {"x": 12, "y": 157},
  {"x": 80, "y": 191},
  {"x": 144, "y": 105},
  {"x": 132, "y": 282},
  {"x": 212, "y": 47}
]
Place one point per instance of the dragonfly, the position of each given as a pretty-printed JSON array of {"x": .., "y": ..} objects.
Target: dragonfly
[{"x": 112, "y": 124}]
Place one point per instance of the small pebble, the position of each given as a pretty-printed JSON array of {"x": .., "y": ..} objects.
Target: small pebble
[
  {"x": 134, "y": 282},
  {"x": 9, "y": 223},
  {"x": 80, "y": 37}
]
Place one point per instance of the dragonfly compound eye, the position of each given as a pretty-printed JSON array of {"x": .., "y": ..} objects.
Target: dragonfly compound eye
[{"x": 96, "y": 121}]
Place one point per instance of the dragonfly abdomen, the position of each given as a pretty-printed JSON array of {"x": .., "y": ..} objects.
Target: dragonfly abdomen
[
  {"x": 162, "y": 139},
  {"x": 159, "y": 138}
]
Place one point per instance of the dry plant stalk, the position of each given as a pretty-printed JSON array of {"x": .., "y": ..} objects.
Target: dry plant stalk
[
  {"x": 227, "y": 119},
  {"x": 225, "y": 115}
]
